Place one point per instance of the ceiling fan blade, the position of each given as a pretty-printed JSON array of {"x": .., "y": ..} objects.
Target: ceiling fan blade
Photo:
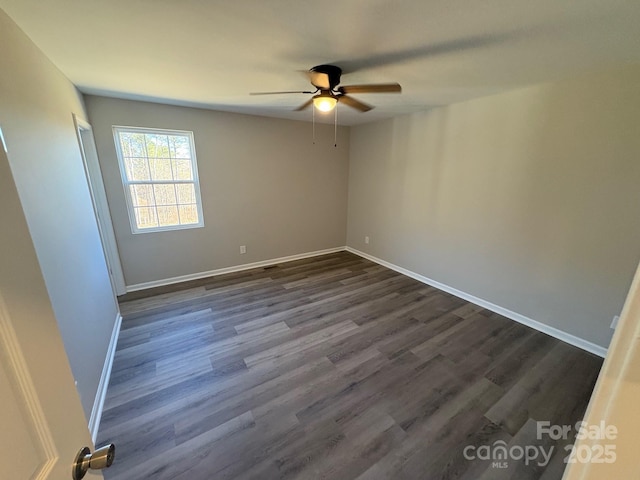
[
  {"x": 278, "y": 93},
  {"x": 318, "y": 79},
  {"x": 353, "y": 103},
  {"x": 306, "y": 104},
  {"x": 372, "y": 88}
]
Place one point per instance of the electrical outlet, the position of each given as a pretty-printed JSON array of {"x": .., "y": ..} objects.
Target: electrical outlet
[
  {"x": 243, "y": 249},
  {"x": 614, "y": 322},
  {"x": 366, "y": 240}
]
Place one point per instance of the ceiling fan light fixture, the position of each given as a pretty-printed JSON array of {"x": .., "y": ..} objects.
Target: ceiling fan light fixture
[{"x": 325, "y": 103}]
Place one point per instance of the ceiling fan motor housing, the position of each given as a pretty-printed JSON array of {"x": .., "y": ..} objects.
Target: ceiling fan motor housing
[{"x": 332, "y": 72}]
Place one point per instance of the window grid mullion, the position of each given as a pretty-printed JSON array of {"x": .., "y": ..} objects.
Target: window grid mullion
[
  {"x": 175, "y": 191},
  {"x": 146, "y": 158},
  {"x": 138, "y": 157},
  {"x": 173, "y": 176},
  {"x": 160, "y": 182},
  {"x": 153, "y": 190}
]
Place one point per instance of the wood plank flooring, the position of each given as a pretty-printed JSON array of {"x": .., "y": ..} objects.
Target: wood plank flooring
[{"x": 331, "y": 367}]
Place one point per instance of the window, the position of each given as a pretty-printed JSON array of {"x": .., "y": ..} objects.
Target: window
[{"x": 160, "y": 178}]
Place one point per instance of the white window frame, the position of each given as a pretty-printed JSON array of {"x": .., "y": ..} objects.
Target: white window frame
[{"x": 126, "y": 182}]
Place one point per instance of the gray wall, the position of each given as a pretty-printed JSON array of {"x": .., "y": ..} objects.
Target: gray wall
[
  {"x": 263, "y": 185},
  {"x": 36, "y": 106},
  {"x": 529, "y": 200}
]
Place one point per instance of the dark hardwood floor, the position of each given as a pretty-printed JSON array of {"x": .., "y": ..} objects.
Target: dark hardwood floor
[{"x": 332, "y": 367}]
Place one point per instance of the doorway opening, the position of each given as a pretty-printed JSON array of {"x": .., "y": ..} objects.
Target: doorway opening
[{"x": 100, "y": 205}]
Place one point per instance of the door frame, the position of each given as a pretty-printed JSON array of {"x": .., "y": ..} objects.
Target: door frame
[
  {"x": 100, "y": 204},
  {"x": 614, "y": 401}
]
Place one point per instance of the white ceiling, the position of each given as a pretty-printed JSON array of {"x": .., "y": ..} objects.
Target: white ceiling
[{"x": 212, "y": 53}]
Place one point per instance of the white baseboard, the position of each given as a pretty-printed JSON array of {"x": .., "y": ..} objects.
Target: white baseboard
[
  {"x": 542, "y": 327},
  {"x": 98, "y": 404},
  {"x": 237, "y": 268}
]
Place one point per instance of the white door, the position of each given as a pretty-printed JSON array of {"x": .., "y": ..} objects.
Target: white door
[{"x": 42, "y": 424}]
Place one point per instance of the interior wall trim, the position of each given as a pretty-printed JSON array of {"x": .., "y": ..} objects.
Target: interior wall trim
[
  {"x": 101, "y": 394},
  {"x": 236, "y": 268},
  {"x": 541, "y": 327}
]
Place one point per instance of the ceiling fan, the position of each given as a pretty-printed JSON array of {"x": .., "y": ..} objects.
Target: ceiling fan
[{"x": 326, "y": 78}]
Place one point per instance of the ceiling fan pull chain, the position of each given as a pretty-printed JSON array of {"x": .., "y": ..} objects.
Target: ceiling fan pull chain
[
  {"x": 335, "y": 127},
  {"x": 313, "y": 124}
]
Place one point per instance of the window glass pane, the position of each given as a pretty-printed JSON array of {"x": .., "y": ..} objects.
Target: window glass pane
[
  {"x": 182, "y": 170},
  {"x": 186, "y": 193},
  {"x": 132, "y": 144},
  {"x": 141, "y": 195},
  {"x": 188, "y": 214},
  {"x": 165, "y": 194},
  {"x": 163, "y": 146},
  {"x": 137, "y": 169},
  {"x": 125, "y": 143},
  {"x": 157, "y": 146},
  {"x": 160, "y": 169},
  {"x": 146, "y": 217},
  {"x": 180, "y": 147},
  {"x": 173, "y": 145},
  {"x": 168, "y": 216}
]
